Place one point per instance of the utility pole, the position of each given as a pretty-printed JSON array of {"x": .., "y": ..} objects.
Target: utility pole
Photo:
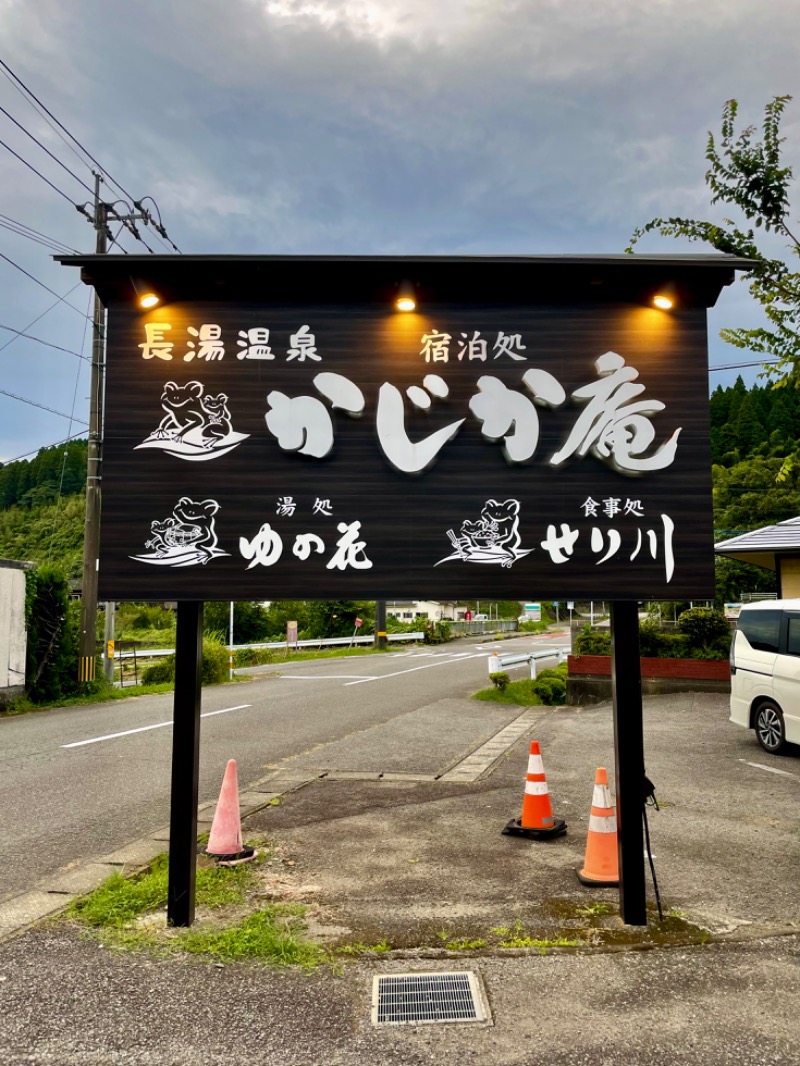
[{"x": 91, "y": 533}]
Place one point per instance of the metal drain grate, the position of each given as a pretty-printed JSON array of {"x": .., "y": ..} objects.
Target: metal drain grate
[{"x": 416, "y": 998}]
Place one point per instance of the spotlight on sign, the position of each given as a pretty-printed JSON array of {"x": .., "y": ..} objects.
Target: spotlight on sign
[
  {"x": 145, "y": 296},
  {"x": 406, "y": 298},
  {"x": 664, "y": 299}
]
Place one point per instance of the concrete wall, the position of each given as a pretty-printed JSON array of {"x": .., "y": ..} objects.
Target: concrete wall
[{"x": 13, "y": 637}]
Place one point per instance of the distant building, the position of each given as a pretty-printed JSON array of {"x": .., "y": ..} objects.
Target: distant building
[{"x": 425, "y": 610}]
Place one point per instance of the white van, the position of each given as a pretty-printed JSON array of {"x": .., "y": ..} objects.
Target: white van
[{"x": 765, "y": 672}]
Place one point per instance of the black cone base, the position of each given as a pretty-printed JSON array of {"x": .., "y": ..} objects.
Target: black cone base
[
  {"x": 515, "y": 829},
  {"x": 592, "y": 883}
]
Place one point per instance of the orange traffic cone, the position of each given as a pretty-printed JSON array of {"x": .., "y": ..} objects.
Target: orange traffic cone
[
  {"x": 537, "y": 821},
  {"x": 225, "y": 839},
  {"x": 601, "y": 864}
]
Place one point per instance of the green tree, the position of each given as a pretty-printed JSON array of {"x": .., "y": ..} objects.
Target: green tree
[
  {"x": 250, "y": 621},
  {"x": 52, "y": 622},
  {"x": 746, "y": 496},
  {"x": 746, "y": 172}
]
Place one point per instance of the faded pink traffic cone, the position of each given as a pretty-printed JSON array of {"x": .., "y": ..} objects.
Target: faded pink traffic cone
[{"x": 225, "y": 839}]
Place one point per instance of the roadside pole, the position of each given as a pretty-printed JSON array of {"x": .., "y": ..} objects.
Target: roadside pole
[
  {"x": 185, "y": 764},
  {"x": 380, "y": 624},
  {"x": 108, "y": 658},
  {"x": 87, "y": 646},
  {"x": 626, "y": 687}
]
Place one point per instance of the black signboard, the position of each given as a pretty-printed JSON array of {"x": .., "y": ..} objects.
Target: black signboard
[{"x": 304, "y": 448}]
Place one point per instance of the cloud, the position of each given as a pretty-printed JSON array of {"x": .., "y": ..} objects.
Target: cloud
[{"x": 384, "y": 126}]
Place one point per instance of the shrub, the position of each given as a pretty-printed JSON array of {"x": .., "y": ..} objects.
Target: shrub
[
  {"x": 214, "y": 672},
  {"x": 650, "y": 639},
  {"x": 551, "y": 685},
  {"x": 589, "y": 642},
  {"x": 53, "y": 625},
  {"x": 215, "y": 661},
  {"x": 500, "y": 680},
  {"x": 703, "y": 628},
  {"x": 159, "y": 673}
]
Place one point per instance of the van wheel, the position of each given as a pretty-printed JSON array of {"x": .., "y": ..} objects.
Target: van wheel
[{"x": 770, "y": 730}]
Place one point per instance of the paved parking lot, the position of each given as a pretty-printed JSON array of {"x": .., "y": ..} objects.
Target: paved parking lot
[{"x": 397, "y": 858}]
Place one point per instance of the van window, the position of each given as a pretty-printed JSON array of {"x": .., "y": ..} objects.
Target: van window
[
  {"x": 761, "y": 628},
  {"x": 793, "y": 636}
]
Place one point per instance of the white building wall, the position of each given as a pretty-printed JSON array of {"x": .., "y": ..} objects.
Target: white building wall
[{"x": 13, "y": 637}]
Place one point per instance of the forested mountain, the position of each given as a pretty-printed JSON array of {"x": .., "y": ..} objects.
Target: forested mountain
[
  {"x": 42, "y": 507},
  {"x": 762, "y": 421},
  {"x": 57, "y": 471},
  {"x": 752, "y": 430}
]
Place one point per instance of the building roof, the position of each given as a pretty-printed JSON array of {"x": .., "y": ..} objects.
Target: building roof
[
  {"x": 576, "y": 279},
  {"x": 760, "y": 546}
]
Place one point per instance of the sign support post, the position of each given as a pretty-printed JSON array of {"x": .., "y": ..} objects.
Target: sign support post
[
  {"x": 626, "y": 683},
  {"x": 185, "y": 764}
]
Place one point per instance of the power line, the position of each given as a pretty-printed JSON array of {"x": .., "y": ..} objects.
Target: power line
[
  {"x": 41, "y": 283},
  {"x": 44, "y": 148},
  {"x": 37, "y": 172},
  {"x": 163, "y": 235},
  {"x": 9, "y": 75},
  {"x": 39, "y": 340},
  {"x": 35, "y": 235},
  {"x": 66, "y": 450},
  {"x": 736, "y": 366},
  {"x": 36, "y": 451},
  {"x": 47, "y": 311},
  {"x": 42, "y": 407}
]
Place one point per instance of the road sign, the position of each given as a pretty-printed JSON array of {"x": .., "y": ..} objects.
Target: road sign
[
  {"x": 570, "y": 605},
  {"x": 317, "y": 442},
  {"x": 358, "y": 623}
]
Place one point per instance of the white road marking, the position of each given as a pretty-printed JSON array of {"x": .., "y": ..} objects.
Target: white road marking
[
  {"x": 769, "y": 769},
  {"x": 411, "y": 670},
  {"x": 145, "y": 728},
  {"x": 322, "y": 677}
]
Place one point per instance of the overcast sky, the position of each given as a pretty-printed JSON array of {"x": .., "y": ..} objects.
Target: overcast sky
[{"x": 364, "y": 126}]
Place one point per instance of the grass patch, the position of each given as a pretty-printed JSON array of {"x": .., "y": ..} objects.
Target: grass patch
[
  {"x": 541, "y": 944},
  {"x": 127, "y": 914},
  {"x": 549, "y": 688},
  {"x": 120, "y": 900},
  {"x": 518, "y": 692},
  {"x": 359, "y": 948},
  {"x": 465, "y": 943},
  {"x": 274, "y": 934},
  {"x": 103, "y": 695}
]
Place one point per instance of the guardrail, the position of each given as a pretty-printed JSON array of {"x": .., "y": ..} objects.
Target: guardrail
[
  {"x": 497, "y": 663},
  {"x": 325, "y": 642}
]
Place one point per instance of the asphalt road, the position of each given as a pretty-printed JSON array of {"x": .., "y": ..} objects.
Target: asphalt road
[{"x": 79, "y": 782}]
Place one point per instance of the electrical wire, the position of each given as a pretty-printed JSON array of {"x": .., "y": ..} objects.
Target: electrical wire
[
  {"x": 41, "y": 283},
  {"x": 44, "y": 148},
  {"x": 42, "y": 407},
  {"x": 47, "y": 311},
  {"x": 55, "y": 444},
  {"x": 66, "y": 450},
  {"x": 41, "y": 238},
  {"x": 42, "y": 109},
  {"x": 37, "y": 172},
  {"x": 735, "y": 366},
  {"x": 48, "y": 344},
  {"x": 11, "y": 77}
]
